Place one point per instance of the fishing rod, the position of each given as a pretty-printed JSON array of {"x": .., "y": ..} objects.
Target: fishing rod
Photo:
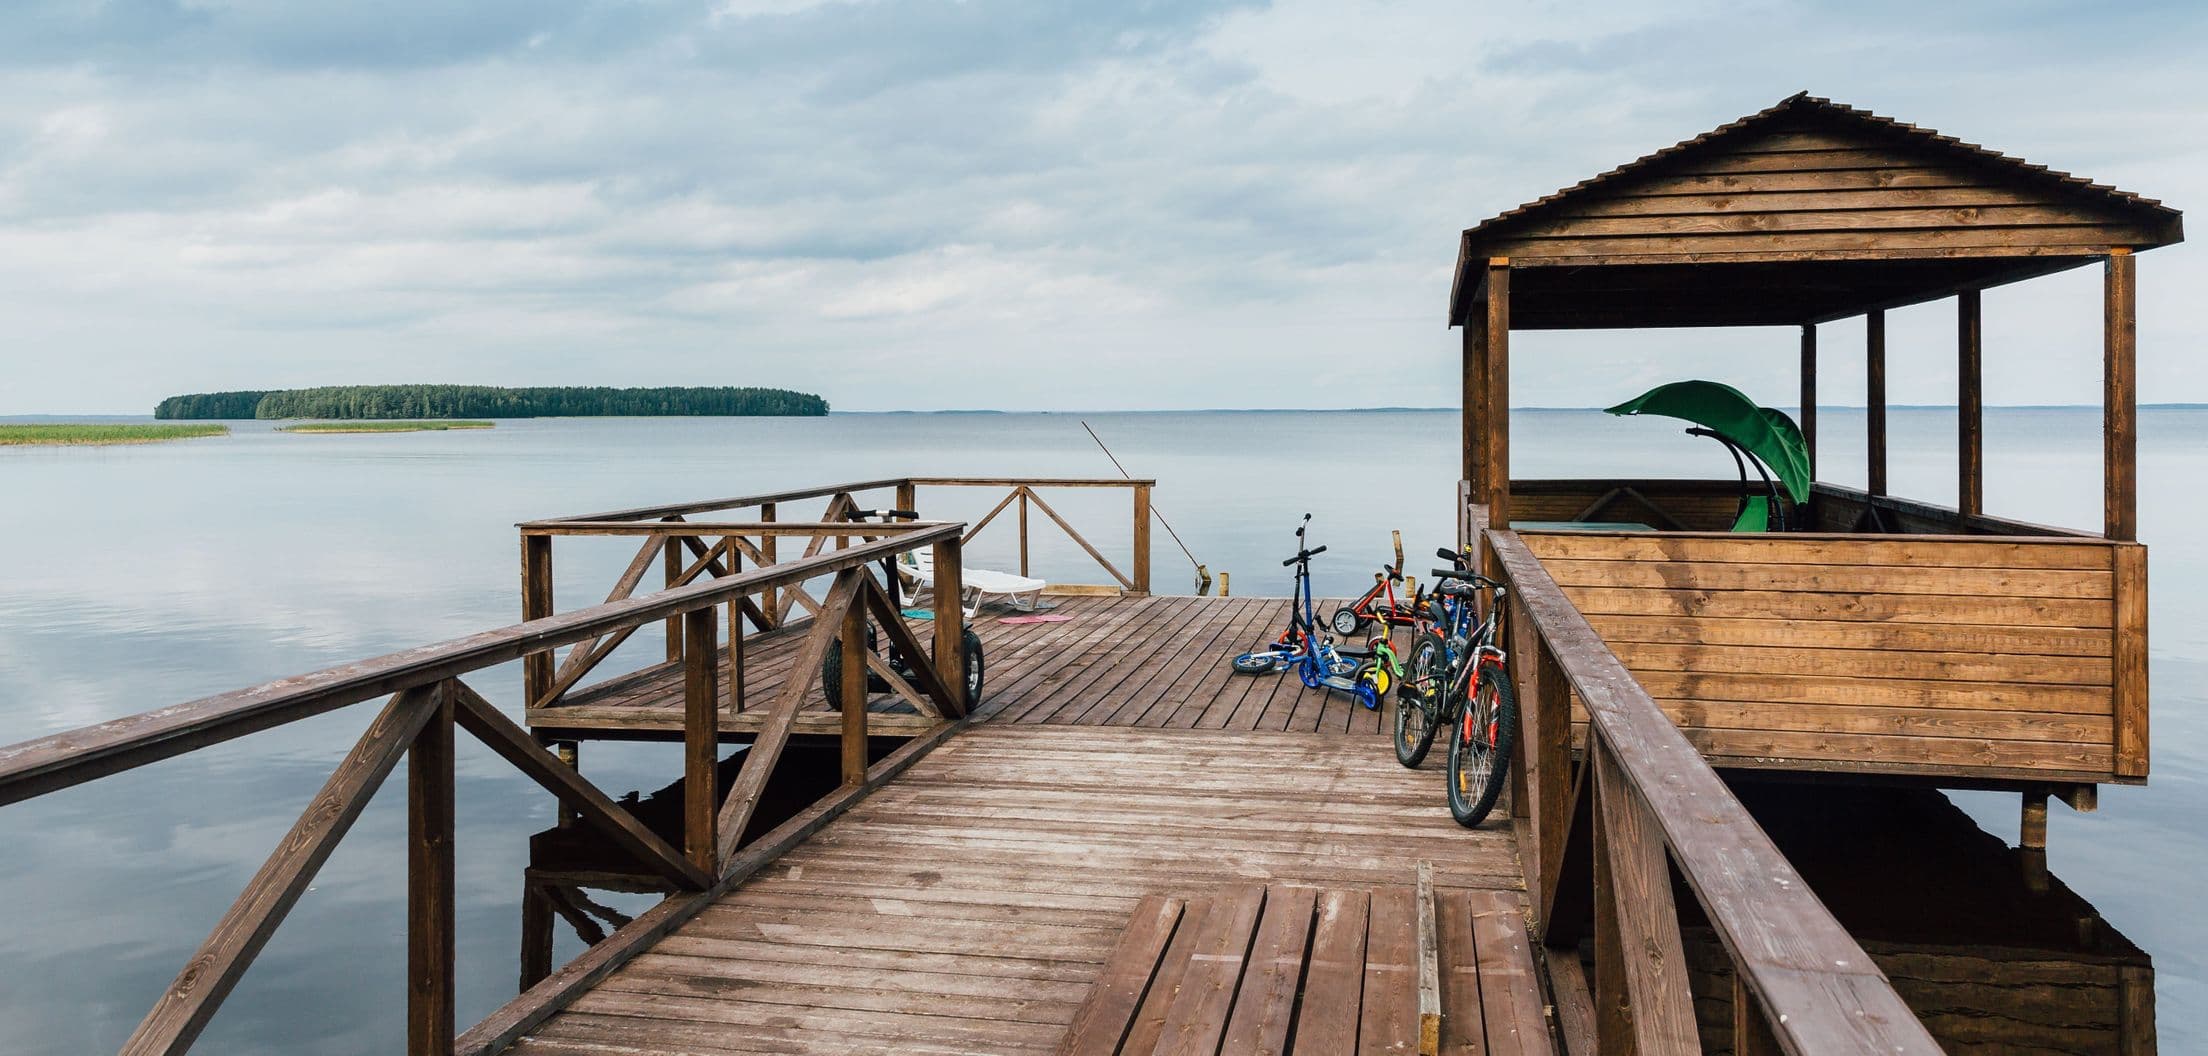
[{"x": 1203, "y": 574}]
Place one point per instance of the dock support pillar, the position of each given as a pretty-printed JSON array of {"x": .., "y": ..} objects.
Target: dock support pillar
[
  {"x": 1874, "y": 398},
  {"x": 1809, "y": 390},
  {"x": 2120, "y": 398},
  {"x": 1970, "y": 448},
  {"x": 430, "y": 883},
  {"x": 2032, "y": 834}
]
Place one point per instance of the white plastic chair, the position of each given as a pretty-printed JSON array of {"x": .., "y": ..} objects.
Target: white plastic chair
[{"x": 1023, "y": 592}]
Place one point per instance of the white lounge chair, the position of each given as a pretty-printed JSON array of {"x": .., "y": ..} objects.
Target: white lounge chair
[{"x": 975, "y": 584}]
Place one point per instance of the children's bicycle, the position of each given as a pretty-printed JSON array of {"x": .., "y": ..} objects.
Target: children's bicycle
[
  {"x": 1379, "y": 605},
  {"x": 1458, "y": 681},
  {"x": 1312, "y": 655}
]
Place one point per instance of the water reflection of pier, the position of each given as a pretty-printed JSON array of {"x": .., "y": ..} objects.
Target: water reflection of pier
[{"x": 1992, "y": 952}]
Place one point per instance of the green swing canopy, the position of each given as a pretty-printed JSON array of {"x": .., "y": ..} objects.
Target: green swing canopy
[{"x": 1767, "y": 434}]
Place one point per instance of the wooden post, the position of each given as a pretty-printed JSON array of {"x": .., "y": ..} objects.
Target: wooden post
[
  {"x": 908, "y": 496},
  {"x": 1874, "y": 399},
  {"x": 1751, "y": 1031},
  {"x": 1023, "y": 530},
  {"x": 2120, "y": 397},
  {"x": 950, "y": 622},
  {"x": 700, "y": 739},
  {"x": 1475, "y": 401},
  {"x": 767, "y": 551},
  {"x": 1970, "y": 445},
  {"x": 1495, "y": 429},
  {"x": 671, "y": 559},
  {"x": 2129, "y": 651},
  {"x": 2032, "y": 830},
  {"x": 429, "y": 884},
  {"x": 1809, "y": 390},
  {"x": 1142, "y": 539},
  {"x": 536, "y": 604},
  {"x": 853, "y": 694},
  {"x": 736, "y": 636}
]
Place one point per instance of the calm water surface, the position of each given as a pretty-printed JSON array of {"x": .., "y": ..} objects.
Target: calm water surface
[{"x": 132, "y": 577}]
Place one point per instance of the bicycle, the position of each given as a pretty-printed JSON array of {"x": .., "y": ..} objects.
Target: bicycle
[
  {"x": 1379, "y": 604},
  {"x": 1459, "y": 680},
  {"x": 1313, "y": 656},
  {"x": 831, "y": 666}
]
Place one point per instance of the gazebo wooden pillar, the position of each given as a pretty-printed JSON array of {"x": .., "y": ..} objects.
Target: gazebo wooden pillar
[
  {"x": 1970, "y": 449},
  {"x": 2120, "y": 397}
]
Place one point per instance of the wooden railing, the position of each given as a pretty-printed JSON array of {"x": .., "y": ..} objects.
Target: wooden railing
[
  {"x": 1600, "y": 843},
  {"x": 688, "y": 550},
  {"x": 428, "y": 701}
]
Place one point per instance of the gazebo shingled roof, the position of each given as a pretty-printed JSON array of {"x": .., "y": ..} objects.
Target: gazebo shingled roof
[{"x": 1801, "y": 213}]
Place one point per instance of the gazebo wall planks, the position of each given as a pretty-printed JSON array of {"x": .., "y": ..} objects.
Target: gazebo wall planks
[{"x": 1804, "y": 213}]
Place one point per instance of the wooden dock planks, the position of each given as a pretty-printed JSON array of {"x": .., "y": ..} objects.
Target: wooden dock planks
[
  {"x": 973, "y": 904},
  {"x": 1155, "y": 662}
]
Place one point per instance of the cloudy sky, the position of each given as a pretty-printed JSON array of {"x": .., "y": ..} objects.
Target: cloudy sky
[{"x": 994, "y": 203}]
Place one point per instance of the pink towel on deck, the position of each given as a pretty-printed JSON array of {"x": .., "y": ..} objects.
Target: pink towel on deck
[{"x": 1043, "y": 617}]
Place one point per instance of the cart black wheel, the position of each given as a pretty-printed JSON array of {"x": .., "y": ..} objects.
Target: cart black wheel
[
  {"x": 1346, "y": 622},
  {"x": 831, "y": 672},
  {"x": 1480, "y": 740},
  {"x": 1418, "y": 699},
  {"x": 970, "y": 644}
]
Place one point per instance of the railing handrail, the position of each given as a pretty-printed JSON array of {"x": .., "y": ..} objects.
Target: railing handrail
[
  {"x": 1819, "y": 991},
  {"x": 684, "y": 509},
  {"x": 56, "y": 761}
]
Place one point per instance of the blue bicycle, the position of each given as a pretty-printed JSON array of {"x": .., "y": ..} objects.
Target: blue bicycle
[{"x": 1310, "y": 654}]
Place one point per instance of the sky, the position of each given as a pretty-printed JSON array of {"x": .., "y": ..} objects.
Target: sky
[{"x": 925, "y": 204}]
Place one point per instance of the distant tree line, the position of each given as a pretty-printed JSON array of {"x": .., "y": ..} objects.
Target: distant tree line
[
  {"x": 489, "y": 401},
  {"x": 211, "y": 405}
]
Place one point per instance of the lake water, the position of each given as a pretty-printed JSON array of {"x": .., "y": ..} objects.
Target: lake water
[{"x": 140, "y": 576}]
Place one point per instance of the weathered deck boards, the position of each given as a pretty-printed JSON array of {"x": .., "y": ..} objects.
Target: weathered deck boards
[
  {"x": 1156, "y": 662},
  {"x": 969, "y": 905}
]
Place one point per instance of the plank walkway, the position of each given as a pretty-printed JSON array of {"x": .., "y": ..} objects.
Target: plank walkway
[
  {"x": 969, "y": 905},
  {"x": 1157, "y": 662}
]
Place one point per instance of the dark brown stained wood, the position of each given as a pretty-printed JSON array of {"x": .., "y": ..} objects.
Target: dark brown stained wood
[
  {"x": 1022, "y": 493},
  {"x": 766, "y": 750},
  {"x": 2135, "y": 989},
  {"x": 1970, "y": 449},
  {"x": 1429, "y": 964},
  {"x": 1079, "y": 540},
  {"x": 673, "y": 563},
  {"x": 536, "y": 935},
  {"x": 1463, "y": 1023},
  {"x": 1199, "y": 1014},
  {"x": 1510, "y": 996},
  {"x": 184, "y": 1008},
  {"x": 517, "y": 1017},
  {"x": 1751, "y": 1035},
  {"x": 2130, "y": 649},
  {"x": 950, "y": 625},
  {"x": 2120, "y": 397},
  {"x": 1809, "y": 548},
  {"x": 768, "y": 546},
  {"x": 429, "y": 881},
  {"x": 936, "y": 697},
  {"x": 1546, "y": 719},
  {"x": 1108, "y": 1012},
  {"x": 1874, "y": 400},
  {"x": 1141, "y": 556},
  {"x": 701, "y": 702},
  {"x": 853, "y": 691},
  {"x": 1333, "y": 985},
  {"x": 536, "y": 604},
  {"x": 512, "y": 743},
  {"x": 1475, "y": 410},
  {"x": 1389, "y": 1023},
  {"x": 1799, "y": 961},
  {"x": 1575, "y": 1003},
  {"x": 1641, "y": 993},
  {"x": 1809, "y": 390},
  {"x": 740, "y": 502},
  {"x": 1265, "y": 1009},
  {"x": 1495, "y": 421},
  {"x": 1149, "y": 1025}
]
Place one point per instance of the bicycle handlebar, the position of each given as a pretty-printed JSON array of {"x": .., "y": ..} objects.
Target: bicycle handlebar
[
  {"x": 1468, "y": 577},
  {"x": 887, "y": 515},
  {"x": 1451, "y": 556},
  {"x": 1304, "y": 555}
]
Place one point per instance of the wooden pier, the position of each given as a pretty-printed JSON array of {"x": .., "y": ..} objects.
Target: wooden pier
[{"x": 1119, "y": 846}]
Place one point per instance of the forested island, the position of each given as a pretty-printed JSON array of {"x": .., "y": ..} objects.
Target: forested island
[{"x": 361, "y": 402}]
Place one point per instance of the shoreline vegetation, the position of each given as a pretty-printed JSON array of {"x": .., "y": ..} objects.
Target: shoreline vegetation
[
  {"x": 382, "y": 426},
  {"x": 419, "y": 402},
  {"x": 63, "y": 434}
]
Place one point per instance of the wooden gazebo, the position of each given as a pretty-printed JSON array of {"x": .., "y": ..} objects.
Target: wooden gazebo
[{"x": 1880, "y": 635}]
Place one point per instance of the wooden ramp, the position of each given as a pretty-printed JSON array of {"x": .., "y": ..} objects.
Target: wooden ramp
[
  {"x": 1252, "y": 971},
  {"x": 1146, "y": 661},
  {"x": 970, "y": 905}
]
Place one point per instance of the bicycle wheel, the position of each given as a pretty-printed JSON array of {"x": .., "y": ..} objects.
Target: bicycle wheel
[
  {"x": 1257, "y": 663},
  {"x": 1418, "y": 699},
  {"x": 1479, "y": 748}
]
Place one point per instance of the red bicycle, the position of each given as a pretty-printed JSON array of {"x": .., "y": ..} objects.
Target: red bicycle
[{"x": 1380, "y": 605}]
